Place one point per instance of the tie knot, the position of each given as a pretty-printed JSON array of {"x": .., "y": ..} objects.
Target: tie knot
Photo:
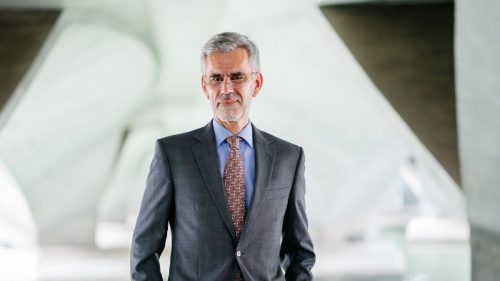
[{"x": 233, "y": 141}]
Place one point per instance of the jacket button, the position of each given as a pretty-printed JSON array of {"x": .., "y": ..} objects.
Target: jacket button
[{"x": 238, "y": 253}]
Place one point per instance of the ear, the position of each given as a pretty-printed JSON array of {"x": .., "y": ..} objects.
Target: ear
[
  {"x": 259, "y": 80},
  {"x": 204, "y": 88}
]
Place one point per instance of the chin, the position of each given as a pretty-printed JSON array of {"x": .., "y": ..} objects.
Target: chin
[{"x": 225, "y": 117}]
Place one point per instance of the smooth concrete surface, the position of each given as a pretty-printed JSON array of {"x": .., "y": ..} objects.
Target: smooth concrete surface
[
  {"x": 485, "y": 245},
  {"x": 17, "y": 224},
  {"x": 22, "y": 34},
  {"x": 478, "y": 105},
  {"x": 407, "y": 50},
  {"x": 61, "y": 141}
]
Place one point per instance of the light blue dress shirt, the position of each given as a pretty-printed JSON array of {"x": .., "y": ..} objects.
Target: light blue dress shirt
[{"x": 246, "y": 151}]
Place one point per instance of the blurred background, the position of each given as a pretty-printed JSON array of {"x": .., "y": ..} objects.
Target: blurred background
[{"x": 396, "y": 104}]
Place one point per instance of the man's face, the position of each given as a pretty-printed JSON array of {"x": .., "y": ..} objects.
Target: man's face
[{"x": 230, "y": 85}]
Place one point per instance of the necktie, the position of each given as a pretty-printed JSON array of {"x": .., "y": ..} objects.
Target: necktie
[
  {"x": 234, "y": 187},
  {"x": 234, "y": 184}
]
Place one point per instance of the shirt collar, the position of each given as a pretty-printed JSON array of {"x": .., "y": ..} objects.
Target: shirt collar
[{"x": 221, "y": 133}]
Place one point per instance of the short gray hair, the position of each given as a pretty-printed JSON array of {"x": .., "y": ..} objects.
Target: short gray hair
[{"x": 227, "y": 42}]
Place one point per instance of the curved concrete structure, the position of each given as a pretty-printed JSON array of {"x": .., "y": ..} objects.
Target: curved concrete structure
[{"x": 62, "y": 139}]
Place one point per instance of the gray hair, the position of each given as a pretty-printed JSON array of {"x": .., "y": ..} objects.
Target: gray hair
[{"x": 227, "y": 42}]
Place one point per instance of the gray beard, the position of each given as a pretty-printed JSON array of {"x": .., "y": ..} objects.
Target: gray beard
[{"x": 229, "y": 116}]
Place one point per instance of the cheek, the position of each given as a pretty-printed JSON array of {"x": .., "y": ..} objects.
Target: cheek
[
  {"x": 247, "y": 94},
  {"x": 210, "y": 95},
  {"x": 213, "y": 98}
]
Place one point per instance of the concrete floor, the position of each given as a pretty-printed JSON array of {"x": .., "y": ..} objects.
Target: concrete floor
[{"x": 437, "y": 261}]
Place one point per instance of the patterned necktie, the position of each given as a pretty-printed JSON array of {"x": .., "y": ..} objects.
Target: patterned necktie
[{"x": 234, "y": 187}]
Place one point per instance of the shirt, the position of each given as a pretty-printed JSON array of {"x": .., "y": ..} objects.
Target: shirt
[{"x": 246, "y": 151}]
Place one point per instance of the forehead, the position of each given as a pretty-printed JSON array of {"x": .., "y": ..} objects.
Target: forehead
[{"x": 234, "y": 61}]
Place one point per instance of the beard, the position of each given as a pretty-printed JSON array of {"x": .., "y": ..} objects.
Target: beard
[{"x": 229, "y": 113}]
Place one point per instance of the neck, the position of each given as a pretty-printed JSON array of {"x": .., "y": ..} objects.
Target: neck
[{"x": 233, "y": 126}]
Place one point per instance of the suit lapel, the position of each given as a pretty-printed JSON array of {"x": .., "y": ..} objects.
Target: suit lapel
[
  {"x": 205, "y": 153},
  {"x": 264, "y": 161}
]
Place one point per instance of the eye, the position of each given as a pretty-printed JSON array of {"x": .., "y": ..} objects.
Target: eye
[
  {"x": 238, "y": 78},
  {"x": 216, "y": 79}
]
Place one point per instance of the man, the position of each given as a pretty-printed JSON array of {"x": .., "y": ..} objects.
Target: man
[{"x": 232, "y": 194}]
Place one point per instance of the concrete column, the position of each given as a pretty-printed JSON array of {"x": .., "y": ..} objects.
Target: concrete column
[{"x": 478, "y": 106}]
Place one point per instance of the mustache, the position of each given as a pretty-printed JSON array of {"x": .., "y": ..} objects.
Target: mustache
[{"x": 229, "y": 96}]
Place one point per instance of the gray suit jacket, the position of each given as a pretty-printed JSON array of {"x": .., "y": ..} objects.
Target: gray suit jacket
[{"x": 184, "y": 189}]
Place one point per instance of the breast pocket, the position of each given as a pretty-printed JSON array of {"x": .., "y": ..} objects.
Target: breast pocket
[{"x": 277, "y": 193}]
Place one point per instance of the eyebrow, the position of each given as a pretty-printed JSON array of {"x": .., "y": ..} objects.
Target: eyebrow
[
  {"x": 230, "y": 74},
  {"x": 236, "y": 73}
]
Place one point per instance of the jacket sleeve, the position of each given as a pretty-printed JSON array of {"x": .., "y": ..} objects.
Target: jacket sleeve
[
  {"x": 151, "y": 227},
  {"x": 297, "y": 251}
]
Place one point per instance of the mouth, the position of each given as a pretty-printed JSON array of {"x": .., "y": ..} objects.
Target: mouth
[{"x": 228, "y": 102}]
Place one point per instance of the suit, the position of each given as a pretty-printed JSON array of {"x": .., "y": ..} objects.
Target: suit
[{"x": 184, "y": 189}]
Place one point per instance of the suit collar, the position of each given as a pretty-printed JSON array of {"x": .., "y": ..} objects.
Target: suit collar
[
  {"x": 204, "y": 133},
  {"x": 264, "y": 162},
  {"x": 206, "y": 156}
]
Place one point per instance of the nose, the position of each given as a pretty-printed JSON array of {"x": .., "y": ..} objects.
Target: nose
[{"x": 227, "y": 86}]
